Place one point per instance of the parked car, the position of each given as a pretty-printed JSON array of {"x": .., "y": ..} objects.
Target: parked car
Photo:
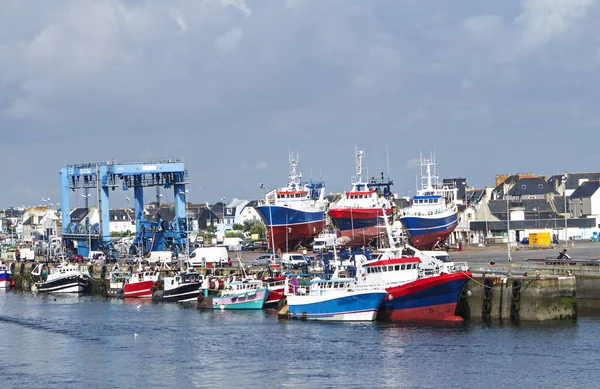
[
  {"x": 76, "y": 258},
  {"x": 257, "y": 246},
  {"x": 265, "y": 260}
]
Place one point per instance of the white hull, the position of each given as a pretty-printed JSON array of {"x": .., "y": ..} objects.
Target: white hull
[
  {"x": 4, "y": 284},
  {"x": 74, "y": 287}
]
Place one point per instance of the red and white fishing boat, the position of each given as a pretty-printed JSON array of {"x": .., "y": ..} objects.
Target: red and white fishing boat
[
  {"x": 276, "y": 287},
  {"x": 140, "y": 283},
  {"x": 357, "y": 215}
]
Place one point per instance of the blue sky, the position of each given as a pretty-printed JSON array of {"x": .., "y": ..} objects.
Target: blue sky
[{"x": 234, "y": 86}]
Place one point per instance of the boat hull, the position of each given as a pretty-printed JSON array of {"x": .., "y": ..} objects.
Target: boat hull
[
  {"x": 352, "y": 306},
  {"x": 183, "y": 293},
  {"x": 252, "y": 300},
  {"x": 357, "y": 225},
  {"x": 288, "y": 227},
  {"x": 425, "y": 231},
  {"x": 141, "y": 289},
  {"x": 70, "y": 284},
  {"x": 426, "y": 299},
  {"x": 4, "y": 279}
]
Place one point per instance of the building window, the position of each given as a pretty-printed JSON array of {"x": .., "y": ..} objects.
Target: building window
[
  {"x": 523, "y": 186},
  {"x": 540, "y": 186}
]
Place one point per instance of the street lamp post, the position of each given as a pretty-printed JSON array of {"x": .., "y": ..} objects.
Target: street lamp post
[
  {"x": 89, "y": 223},
  {"x": 564, "y": 182},
  {"x": 508, "y": 232},
  {"x": 263, "y": 186},
  {"x": 187, "y": 228}
]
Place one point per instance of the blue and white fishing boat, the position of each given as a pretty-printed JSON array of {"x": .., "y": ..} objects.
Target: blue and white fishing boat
[
  {"x": 4, "y": 275},
  {"x": 295, "y": 214},
  {"x": 335, "y": 298},
  {"x": 433, "y": 214},
  {"x": 247, "y": 294}
]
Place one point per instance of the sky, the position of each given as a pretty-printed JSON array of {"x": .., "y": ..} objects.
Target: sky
[{"x": 234, "y": 86}]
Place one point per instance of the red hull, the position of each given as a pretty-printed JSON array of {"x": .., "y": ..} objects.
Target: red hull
[
  {"x": 362, "y": 236},
  {"x": 138, "y": 289},
  {"x": 428, "y": 241},
  {"x": 358, "y": 226},
  {"x": 426, "y": 299},
  {"x": 286, "y": 238}
]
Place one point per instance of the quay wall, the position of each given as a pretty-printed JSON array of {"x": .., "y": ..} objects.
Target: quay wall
[
  {"x": 520, "y": 298},
  {"x": 25, "y": 280}
]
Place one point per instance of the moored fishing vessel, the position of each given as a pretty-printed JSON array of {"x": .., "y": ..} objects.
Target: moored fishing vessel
[
  {"x": 64, "y": 278},
  {"x": 4, "y": 275},
  {"x": 294, "y": 214},
  {"x": 420, "y": 285},
  {"x": 184, "y": 286},
  {"x": 116, "y": 281},
  {"x": 433, "y": 214},
  {"x": 140, "y": 283},
  {"x": 334, "y": 299},
  {"x": 357, "y": 215},
  {"x": 276, "y": 286},
  {"x": 247, "y": 294}
]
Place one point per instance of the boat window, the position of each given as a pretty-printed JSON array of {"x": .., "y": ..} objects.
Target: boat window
[
  {"x": 390, "y": 268},
  {"x": 385, "y": 268},
  {"x": 397, "y": 267},
  {"x": 403, "y": 267}
]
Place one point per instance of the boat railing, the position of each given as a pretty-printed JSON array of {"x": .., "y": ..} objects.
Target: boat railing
[{"x": 461, "y": 266}]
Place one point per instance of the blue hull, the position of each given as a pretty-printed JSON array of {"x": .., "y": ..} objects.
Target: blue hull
[
  {"x": 281, "y": 216},
  {"x": 354, "y": 307},
  {"x": 346, "y": 224},
  {"x": 422, "y": 225}
]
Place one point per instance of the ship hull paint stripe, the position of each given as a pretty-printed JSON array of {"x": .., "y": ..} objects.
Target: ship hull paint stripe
[
  {"x": 358, "y": 306},
  {"x": 420, "y": 225},
  {"x": 274, "y": 215}
]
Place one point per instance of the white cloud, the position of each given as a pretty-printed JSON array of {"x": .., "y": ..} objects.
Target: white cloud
[
  {"x": 543, "y": 20},
  {"x": 484, "y": 27},
  {"x": 229, "y": 41},
  {"x": 239, "y": 4}
]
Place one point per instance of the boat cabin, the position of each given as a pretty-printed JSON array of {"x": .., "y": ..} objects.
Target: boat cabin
[{"x": 392, "y": 271}]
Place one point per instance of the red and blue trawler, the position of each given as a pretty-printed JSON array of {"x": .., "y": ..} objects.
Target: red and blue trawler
[
  {"x": 357, "y": 216},
  {"x": 295, "y": 214},
  {"x": 433, "y": 215}
]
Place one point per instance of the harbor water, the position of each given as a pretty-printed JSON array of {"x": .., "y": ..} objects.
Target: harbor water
[{"x": 69, "y": 341}]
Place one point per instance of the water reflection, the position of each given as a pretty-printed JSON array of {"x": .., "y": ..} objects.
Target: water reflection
[{"x": 64, "y": 340}]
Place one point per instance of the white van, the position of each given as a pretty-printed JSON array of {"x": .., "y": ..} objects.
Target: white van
[
  {"x": 209, "y": 256},
  {"x": 296, "y": 261},
  {"x": 324, "y": 242},
  {"x": 234, "y": 244},
  {"x": 97, "y": 258},
  {"x": 161, "y": 257}
]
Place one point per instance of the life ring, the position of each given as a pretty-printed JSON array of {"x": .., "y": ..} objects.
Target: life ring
[{"x": 364, "y": 276}]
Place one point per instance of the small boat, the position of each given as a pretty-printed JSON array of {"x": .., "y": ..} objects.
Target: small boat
[
  {"x": 64, "y": 278},
  {"x": 140, "y": 283},
  {"x": 276, "y": 287},
  {"x": 334, "y": 299},
  {"x": 246, "y": 294},
  {"x": 4, "y": 275},
  {"x": 184, "y": 286},
  {"x": 116, "y": 281},
  {"x": 433, "y": 214}
]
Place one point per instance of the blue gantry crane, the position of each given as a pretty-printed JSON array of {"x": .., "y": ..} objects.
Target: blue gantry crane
[{"x": 105, "y": 177}]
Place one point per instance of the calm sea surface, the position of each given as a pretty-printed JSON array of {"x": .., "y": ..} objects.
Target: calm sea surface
[{"x": 90, "y": 342}]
